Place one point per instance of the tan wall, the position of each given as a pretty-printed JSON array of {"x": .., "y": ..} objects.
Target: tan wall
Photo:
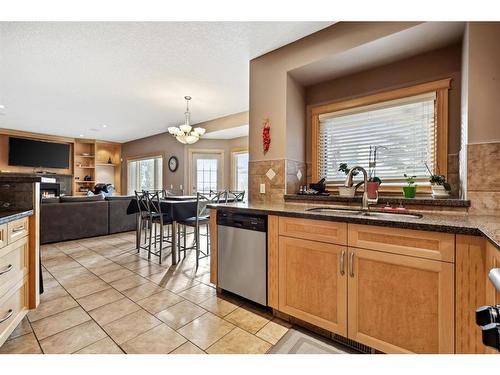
[
  {"x": 166, "y": 145},
  {"x": 268, "y": 76},
  {"x": 482, "y": 122},
  {"x": 295, "y": 120},
  {"x": 484, "y": 82},
  {"x": 226, "y": 122},
  {"x": 433, "y": 65}
]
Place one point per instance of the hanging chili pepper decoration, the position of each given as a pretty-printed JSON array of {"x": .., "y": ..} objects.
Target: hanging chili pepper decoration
[{"x": 266, "y": 135}]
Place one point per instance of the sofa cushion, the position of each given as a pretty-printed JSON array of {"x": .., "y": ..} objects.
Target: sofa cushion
[
  {"x": 50, "y": 200},
  {"x": 120, "y": 198},
  {"x": 73, "y": 220},
  {"x": 119, "y": 221},
  {"x": 77, "y": 198}
]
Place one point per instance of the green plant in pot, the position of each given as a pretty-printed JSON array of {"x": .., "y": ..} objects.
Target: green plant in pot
[
  {"x": 410, "y": 190},
  {"x": 345, "y": 191},
  {"x": 440, "y": 188}
]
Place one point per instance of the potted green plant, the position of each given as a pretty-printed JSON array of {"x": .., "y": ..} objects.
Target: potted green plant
[
  {"x": 410, "y": 190},
  {"x": 345, "y": 191},
  {"x": 440, "y": 188}
]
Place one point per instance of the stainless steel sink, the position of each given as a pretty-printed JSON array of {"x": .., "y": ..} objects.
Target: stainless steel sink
[
  {"x": 335, "y": 210},
  {"x": 390, "y": 215},
  {"x": 356, "y": 211}
]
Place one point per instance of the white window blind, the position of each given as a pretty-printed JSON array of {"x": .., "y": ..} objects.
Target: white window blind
[{"x": 406, "y": 127}]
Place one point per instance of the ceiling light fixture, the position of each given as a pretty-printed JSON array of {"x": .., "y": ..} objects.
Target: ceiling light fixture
[{"x": 185, "y": 134}]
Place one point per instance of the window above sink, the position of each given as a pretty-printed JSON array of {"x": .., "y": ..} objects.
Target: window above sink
[{"x": 411, "y": 123}]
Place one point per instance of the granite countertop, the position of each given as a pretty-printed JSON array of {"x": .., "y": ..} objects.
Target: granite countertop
[
  {"x": 448, "y": 202},
  {"x": 8, "y": 216},
  {"x": 488, "y": 226}
]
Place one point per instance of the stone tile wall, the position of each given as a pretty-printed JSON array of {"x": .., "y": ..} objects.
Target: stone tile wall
[{"x": 483, "y": 178}]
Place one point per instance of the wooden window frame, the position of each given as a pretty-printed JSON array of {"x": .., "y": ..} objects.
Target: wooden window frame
[
  {"x": 440, "y": 87},
  {"x": 233, "y": 175}
]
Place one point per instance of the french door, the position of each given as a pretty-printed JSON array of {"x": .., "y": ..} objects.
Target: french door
[{"x": 206, "y": 171}]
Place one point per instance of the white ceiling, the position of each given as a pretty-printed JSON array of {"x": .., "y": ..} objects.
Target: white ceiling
[
  {"x": 126, "y": 80},
  {"x": 409, "y": 42},
  {"x": 229, "y": 133}
]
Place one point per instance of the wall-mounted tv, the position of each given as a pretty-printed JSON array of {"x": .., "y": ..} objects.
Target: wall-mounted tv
[{"x": 33, "y": 153}]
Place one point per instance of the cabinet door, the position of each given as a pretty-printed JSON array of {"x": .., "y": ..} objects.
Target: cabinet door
[
  {"x": 313, "y": 283},
  {"x": 400, "y": 304}
]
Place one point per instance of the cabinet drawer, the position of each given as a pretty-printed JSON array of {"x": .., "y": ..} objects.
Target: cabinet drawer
[
  {"x": 3, "y": 235},
  {"x": 17, "y": 229},
  {"x": 13, "y": 307},
  {"x": 13, "y": 264},
  {"x": 422, "y": 244},
  {"x": 317, "y": 230}
]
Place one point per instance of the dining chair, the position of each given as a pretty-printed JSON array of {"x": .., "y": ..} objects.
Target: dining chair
[
  {"x": 202, "y": 218},
  {"x": 144, "y": 216},
  {"x": 237, "y": 196},
  {"x": 150, "y": 211}
]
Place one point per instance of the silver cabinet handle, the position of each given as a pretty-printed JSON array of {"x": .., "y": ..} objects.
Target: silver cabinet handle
[
  {"x": 7, "y": 316},
  {"x": 351, "y": 264},
  {"x": 342, "y": 256},
  {"x": 6, "y": 269},
  {"x": 18, "y": 229}
]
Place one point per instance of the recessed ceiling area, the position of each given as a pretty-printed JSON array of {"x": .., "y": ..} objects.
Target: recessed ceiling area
[
  {"x": 424, "y": 37},
  {"x": 120, "y": 81},
  {"x": 229, "y": 133}
]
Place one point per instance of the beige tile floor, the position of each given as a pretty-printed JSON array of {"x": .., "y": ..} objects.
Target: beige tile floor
[{"x": 102, "y": 297}]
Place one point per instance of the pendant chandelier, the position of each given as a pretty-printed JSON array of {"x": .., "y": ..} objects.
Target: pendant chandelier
[{"x": 185, "y": 134}]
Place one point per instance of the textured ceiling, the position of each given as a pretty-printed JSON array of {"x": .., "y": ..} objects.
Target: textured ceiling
[{"x": 126, "y": 80}]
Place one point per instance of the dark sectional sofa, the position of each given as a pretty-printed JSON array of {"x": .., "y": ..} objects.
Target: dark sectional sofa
[{"x": 71, "y": 218}]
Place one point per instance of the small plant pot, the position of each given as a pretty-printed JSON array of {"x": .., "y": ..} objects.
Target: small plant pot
[
  {"x": 372, "y": 190},
  {"x": 409, "y": 191},
  {"x": 347, "y": 191},
  {"x": 438, "y": 191}
]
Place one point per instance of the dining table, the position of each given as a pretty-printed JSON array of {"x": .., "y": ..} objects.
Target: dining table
[{"x": 178, "y": 209}]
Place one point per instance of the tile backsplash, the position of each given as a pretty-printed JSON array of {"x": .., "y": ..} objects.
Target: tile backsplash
[{"x": 483, "y": 177}]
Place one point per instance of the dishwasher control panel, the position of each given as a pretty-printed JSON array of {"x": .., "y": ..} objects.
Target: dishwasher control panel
[{"x": 243, "y": 221}]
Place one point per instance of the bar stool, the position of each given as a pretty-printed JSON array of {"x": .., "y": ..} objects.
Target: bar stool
[{"x": 202, "y": 218}]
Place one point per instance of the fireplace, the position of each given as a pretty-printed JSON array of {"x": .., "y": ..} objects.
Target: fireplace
[{"x": 49, "y": 189}]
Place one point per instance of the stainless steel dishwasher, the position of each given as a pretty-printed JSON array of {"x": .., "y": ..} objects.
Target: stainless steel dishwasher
[{"x": 242, "y": 255}]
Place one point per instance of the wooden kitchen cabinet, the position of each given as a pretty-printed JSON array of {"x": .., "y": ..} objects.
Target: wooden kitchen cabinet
[
  {"x": 400, "y": 304},
  {"x": 492, "y": 261},
  {"x": 313, "y": 283}
]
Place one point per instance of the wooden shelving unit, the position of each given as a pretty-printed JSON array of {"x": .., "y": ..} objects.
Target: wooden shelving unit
[
  {"x": 98, "y": 159},
  {"x": 84, "y": 152},
  {"x": 108, "y": 164}
]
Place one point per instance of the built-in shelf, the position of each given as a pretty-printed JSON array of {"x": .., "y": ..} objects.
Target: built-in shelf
[
  {"x": 85, "y": 156},
  {"x": 106, "y": 164},
  {"x": 83, "y": 167},
  {"x": 84, "y": 182}
]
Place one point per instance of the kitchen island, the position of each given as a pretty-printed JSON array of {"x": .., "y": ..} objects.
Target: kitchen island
[{"x": 397, "y": 284}]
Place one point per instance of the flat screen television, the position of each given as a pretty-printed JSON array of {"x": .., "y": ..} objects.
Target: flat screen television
[{"x": 33, "y": 153}]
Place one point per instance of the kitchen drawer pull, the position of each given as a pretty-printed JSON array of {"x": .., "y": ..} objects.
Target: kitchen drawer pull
[
  {"x": 18, "y": 229},
  {"x": 351, "y": 264},
  {"x": 342, "y": 268},
  {"x": 7, "y": 316},
  {"x": 6, "y": 269}
]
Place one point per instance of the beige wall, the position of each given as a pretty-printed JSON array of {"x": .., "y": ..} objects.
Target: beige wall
[
  {"x": 480, "y": 121},
  {"x": 484, "y": 82},
  {"x": 166, "y": 145},
  {"x": 269, "y": 77},
  {"x": 433, "y": 65}
]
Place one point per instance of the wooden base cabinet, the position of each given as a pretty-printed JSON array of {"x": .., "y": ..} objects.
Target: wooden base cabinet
[
  {"x": 313, "y": 282},
  {"x": 400, "y": 304}
]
